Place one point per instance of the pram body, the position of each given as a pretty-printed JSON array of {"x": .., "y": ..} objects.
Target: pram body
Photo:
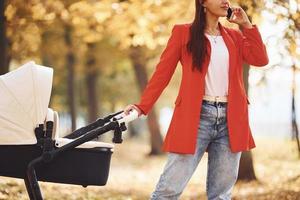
[{"x": 30, "y": 145}]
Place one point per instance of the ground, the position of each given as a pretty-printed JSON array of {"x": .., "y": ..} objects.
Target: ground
[{"x": 133, "y": 176}]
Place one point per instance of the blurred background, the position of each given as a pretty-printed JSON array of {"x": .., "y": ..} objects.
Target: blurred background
[{"x": 103, "y": 52}]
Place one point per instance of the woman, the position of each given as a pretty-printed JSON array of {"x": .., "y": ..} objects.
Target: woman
[{"x": 211, "y": 109}]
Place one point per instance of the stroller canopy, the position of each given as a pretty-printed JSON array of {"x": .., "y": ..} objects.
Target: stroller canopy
[{"x": 25, "y": 94}]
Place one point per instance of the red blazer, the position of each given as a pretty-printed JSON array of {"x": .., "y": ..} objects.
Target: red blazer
[{"x": 243, "y": 46}]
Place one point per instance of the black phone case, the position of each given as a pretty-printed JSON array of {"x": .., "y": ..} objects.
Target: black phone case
[{"x": 229, "y": 12}]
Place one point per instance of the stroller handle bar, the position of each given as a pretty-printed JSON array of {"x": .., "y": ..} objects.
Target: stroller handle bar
[{"x": 122, "y": 117}]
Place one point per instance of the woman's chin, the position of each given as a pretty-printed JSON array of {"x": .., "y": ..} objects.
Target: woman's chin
[{"x": 222, "y": 14}]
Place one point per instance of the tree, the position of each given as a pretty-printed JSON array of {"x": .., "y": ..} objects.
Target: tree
[
  {"x": 91, "y": 83},
  {"x": 70, "y": 64},
  {"x": 143, "y": 26},
  {"x": 289, "y": 12},
  {"x": 246, "y": 169},
  {"x": 4, "y": 59},
  {"x": 138, "y": 59}
]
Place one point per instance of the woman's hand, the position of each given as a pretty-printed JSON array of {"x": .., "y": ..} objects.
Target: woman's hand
[
  {"x": 240, "y": 17},
  {"x": 131, "y": 107}
]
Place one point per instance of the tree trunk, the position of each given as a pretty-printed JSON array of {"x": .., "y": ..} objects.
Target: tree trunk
[
  {"x": 295, "y": 132},
  {"x": 70, "y": 63},
  {"x": 4, "y": 60},
  {"x": 132, "y": 131},
  {"x": 246, "y": 169},
  {"x": 46, "y": 60},
  {"x": 138, "y": 59},
  {"x": 91, "y": 84}
]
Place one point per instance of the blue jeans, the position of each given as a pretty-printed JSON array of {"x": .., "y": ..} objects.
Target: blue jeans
[{"x": 222, "y": 167}]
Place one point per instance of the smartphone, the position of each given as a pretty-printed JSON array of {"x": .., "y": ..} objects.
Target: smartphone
[{"x": 229, "y": 13}]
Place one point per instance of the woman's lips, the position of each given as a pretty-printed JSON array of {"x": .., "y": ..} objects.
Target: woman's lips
[{"x": 225, "y": 6}]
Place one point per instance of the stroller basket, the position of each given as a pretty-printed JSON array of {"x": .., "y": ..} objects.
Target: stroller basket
[
  {"x": 30, "y": 146},
  {"x": 76, "y": 166}
]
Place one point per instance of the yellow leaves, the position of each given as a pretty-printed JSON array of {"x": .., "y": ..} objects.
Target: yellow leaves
[
  {"x": 117, "y": 8},
  {"x": 10, "y": 12},
  {"x": 294, "y": 49},
  {"x": 89, "y": 19},
  {"x": 79, "y": 21},
  {"x": 101, "y": 16},
  {"x": 90, "y": 36},
  {"x": 38, "y": 11},
  {"x": 26, "y": 44},
  {"x": 144, "y": 39},
  {"x": 97, "y": 12},
  {"x": 142, "y": 23},
  {"x": 64, "y": 15},
  {"x": 131, "y": 23},
  {"x": 256, "y": 18},
  {"x": 296, "y": 16}
]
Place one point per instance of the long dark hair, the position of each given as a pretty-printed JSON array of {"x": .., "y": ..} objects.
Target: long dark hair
[{"x": 197, "y": 43}]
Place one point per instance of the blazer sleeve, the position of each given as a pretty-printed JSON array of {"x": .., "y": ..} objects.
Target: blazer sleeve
[
  {"x": 163, "y": 71},
  {"x": 253, "y": 49}
]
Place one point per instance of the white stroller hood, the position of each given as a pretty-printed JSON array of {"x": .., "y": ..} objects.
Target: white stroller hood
[{"x": 25, "y": 95}]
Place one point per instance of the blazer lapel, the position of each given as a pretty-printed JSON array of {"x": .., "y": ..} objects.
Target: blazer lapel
[{"x": 231, "y": 50}]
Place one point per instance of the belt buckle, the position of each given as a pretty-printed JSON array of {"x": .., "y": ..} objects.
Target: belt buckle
[{"x": 217, "y": 99}]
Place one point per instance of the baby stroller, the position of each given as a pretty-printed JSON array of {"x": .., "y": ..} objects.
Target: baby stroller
[{"x": 30, "y": 145}]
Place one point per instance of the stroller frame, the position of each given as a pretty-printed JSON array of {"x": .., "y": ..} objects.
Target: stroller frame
[
  {"x": 50, "y": 153},
  {"x": 30, "y": 146}
]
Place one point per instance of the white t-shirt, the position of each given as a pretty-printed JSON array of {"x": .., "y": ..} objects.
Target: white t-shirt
[{"x": 216, "y": 79}]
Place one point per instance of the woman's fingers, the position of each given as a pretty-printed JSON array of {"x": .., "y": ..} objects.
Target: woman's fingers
[
  {"x": 236, "y": 9},
  {"x": 132, "y": 107},
  {"x": 235, "y": 13},
  {"x": 127, "y": 109},
  {"x": 238, "y": 16}
]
